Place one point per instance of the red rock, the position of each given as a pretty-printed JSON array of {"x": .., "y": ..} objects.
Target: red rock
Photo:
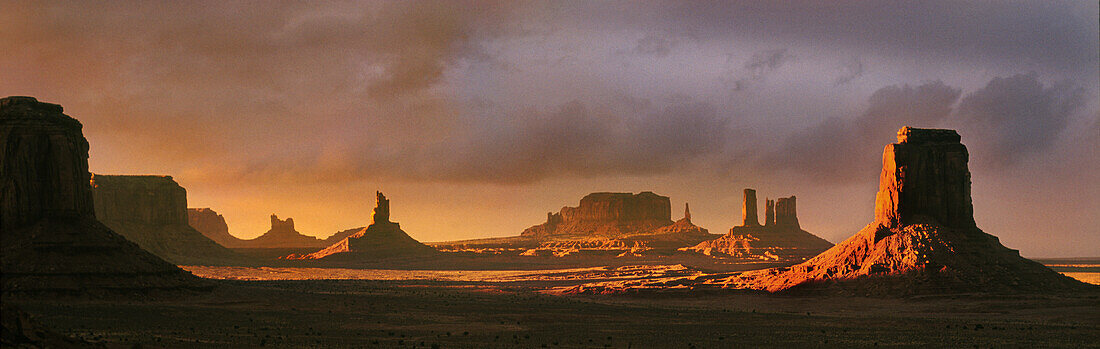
[
  {"x": 923, "y": 239},
  {"x": 780, "y": 239},
  {"x": 606, "y": 215},
  {"x": 381, "y": 239}
]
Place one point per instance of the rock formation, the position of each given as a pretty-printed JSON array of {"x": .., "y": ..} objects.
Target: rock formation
[
  {"x": 779, "y": 239},
  {"x": 923, "y": 239},
  {"x": 769, "y": 212},
  {"x": 340, "y": 235},
  {"x": 212, "y": 225},
  {"x": 52, "y": 241},
  {"x": 152, "y": 212},
  {"x": 925, "y": 176},
  {"x": 748, "y": 209},
  {"x": 381, "y": 239},
  {"x": 606, "y": 215},
  {"x": 785, "y": 214},
  {"x": 283, "y": 235}
]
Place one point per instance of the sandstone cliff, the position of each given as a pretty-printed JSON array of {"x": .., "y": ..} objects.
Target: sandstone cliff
[
  {"x": 152, "y": 212},
  {"x": 283, "y": 235},
  {"x": 779, "y": 239},
  {"x": 52, "y": 241},
  {"x": 381, "y": 239},
  {"x": 212, "y": 225},
  {"x": 923, "y": 239},
  {"x": 606, "y": 215}
]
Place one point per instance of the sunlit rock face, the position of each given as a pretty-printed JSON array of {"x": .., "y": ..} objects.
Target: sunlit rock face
[
  {"x": 152, "y": 212},
  {"x": 923, "y": 239},
  {"x": 283, "y": 235},
  {"x": 607, "y": 215},
  {"x": 52, "y": 241},
  {"x": 212, "y": 225},
  {"x": 779, "y": 239},
  {"x": 381, "y": 239},
  {"x": 925, "y": 177}
]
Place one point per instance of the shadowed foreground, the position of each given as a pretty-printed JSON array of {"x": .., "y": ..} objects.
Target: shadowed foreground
[{"x": 359, "y": 313}]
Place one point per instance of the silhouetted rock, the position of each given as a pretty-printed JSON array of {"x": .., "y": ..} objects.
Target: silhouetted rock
[
  {"x": 785, "y": 213},
  {"x": 52, "y": 241},
  {"x": 340, "y": 235},
  {"x": 606, "y": 215},
  {"x": 769, "y": 212},
  {"x": 283, "y": 235},
  {"x": 152, "y": 212},
  {"x": 780, "y": 239},
  {"x": 212, "y": 225},
  {"x": 749, "y": 217},
  {"x": 381, "y": 239},
  {"x": 923, "y": 239}
]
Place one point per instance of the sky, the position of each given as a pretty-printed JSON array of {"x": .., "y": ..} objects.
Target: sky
[{"x": 478, "y": 118}]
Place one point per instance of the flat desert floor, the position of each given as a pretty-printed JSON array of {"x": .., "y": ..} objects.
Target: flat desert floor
[{"x": 326, "y": 307}]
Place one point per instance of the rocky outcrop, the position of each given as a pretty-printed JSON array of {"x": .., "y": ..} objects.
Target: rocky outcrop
[
  {"x": 779, "y": 239},
  {"x": 785, "y": 213},
  {"x": 925, "y": 178},
  {"x": 152, "y": 212},
  {"x": 749, "y": 217},
  {"x": 212, "y": 225},
  {"x": 607, "y": 215},
  {"x": 923, "y": 239},
  {"x": 381, "y": 239},
  {"x": 283, "y": 235},
  {"x": 52, "y": 241}
]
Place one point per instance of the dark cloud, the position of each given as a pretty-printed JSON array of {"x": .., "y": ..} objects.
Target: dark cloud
[
  {"x": 1058, "y": 35},
  {"x": 1015, "y": 117},
  {"x": 573, "y": 140},
  {"x": 846, "y": 150}
]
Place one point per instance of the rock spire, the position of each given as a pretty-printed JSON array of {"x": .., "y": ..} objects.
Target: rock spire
[
  {"x": 381, "y": 209},
  {"x": 749, "y": 218}
]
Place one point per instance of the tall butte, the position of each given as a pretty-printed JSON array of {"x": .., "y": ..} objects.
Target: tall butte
[
  {"x": 52, "y": 241},
  {"x": 381, "y": 239},
  {"x": 923, "y": 240}
]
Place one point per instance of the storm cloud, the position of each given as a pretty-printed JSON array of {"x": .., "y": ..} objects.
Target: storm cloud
[{"x": 471, "y": 96}]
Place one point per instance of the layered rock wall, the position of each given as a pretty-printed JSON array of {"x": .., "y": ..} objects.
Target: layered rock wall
[
  {"x": 52, "y": 241},
  {"x": 45, "y": 164},
  {"x": 925, "y": 177},
  {"x": 152, "y": 212},
  {"x": 619, "y": 207},
  {"x": 151, "y": 200},
  {"x": 607, "y": 215}
]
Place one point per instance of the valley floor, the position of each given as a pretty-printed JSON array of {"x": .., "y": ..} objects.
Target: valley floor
[{"x": 510, "y": 309}]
